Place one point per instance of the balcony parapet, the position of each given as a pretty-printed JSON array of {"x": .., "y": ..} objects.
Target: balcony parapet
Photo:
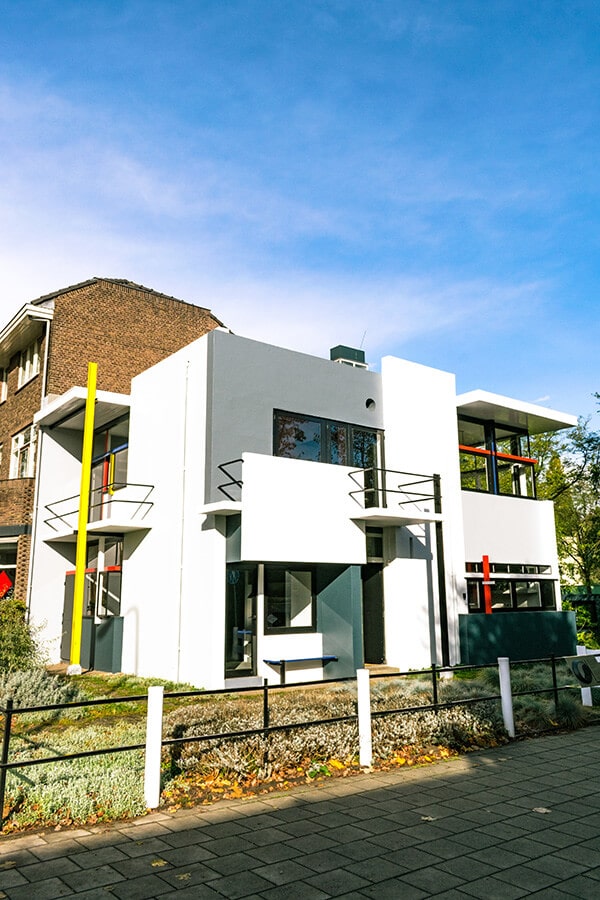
[
  {"x": 114, "y": 509},
  {"x": 389, "y": 497}
]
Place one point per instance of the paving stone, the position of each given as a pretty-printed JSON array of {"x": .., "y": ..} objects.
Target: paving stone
[
  {"x": 376, "y": 869},
  {"x": 145, "y": 888},
  {"x": 275, "y": 852},
  {"x": 183, "y": 856},
  {"x": 44, "y": 890},
  {"x": 324, "y": 860},
  {"x": 40, "y": 871},
  {"x": 284, "y": 872},
  {"x": 394, "y": 889},
  {"x": 141, "y": 848},
  {"x": 299, "y": 891},
  {"x": 467, "y": 868},
  {"x": 557, "y": 866},
  {"x": 337, "y": 881},
  {"x": 232, "y": 863},
  {"x": 432, "y": 880},
  {"x": 526, "y": 877},
  {"x": 499, "y": 858},
  {"x": 240, "y": 885},
  {"x": 581, "y": 886},
  {"x": 492, "y": 888},
  {"x": 101, "y": 875}
]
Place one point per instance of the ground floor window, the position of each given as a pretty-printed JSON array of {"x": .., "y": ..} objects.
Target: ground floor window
[
  {"x": 289, "y": 599},
  {"x": 512, "y": 594},
  {"x": 8, "y": 568}
]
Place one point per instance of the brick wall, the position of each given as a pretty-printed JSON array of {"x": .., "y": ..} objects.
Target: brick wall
[
  {"x": 16, "y": 501},
  {"x": 123, "y": 329},
  {"x": 17, "y": 411}
]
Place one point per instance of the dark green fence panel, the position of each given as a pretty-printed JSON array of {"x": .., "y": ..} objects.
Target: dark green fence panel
[{"x": 518, "y": 635}]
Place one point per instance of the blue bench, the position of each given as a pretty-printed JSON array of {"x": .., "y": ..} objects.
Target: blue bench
[{"x": 306, "y": 659}]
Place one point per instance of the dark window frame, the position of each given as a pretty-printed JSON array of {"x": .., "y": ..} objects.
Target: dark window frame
[
  {"x": 475, "y": 587},
  {"x": 326, "y": 444},
  {"x": 285, "y": 568},
  {"x": 492, "y": 458}
]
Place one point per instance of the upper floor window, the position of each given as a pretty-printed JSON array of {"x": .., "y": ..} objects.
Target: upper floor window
[
  {"x": 495, "y": 458},
  {"x": 29, "y": 363},
  {"x": 323, "y": 440},
  {"x": 22, "y": 454},
  {"x": 3, "y": 384}
]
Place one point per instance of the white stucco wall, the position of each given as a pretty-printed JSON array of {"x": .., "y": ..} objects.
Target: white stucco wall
[
  {"x": 509, "y": 529},
  {"x": 298, "y": 511},
  {"x": 59, "y": 478},
  {"x": 172, "y": 598},
  {"x": 421, "y": 437}
]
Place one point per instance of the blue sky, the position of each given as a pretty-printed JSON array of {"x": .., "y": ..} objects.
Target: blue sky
[{"x": 419, "y": 177}]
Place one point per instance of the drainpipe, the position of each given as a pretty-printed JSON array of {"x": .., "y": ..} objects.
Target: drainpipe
[
  {"x": 181, "y": 546},
  {"x": 441, "y": 569},
  {"x": 38, "y": 460}
]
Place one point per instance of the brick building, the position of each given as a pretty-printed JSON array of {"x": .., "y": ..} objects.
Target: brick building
[{"x": 44, "y": 350}]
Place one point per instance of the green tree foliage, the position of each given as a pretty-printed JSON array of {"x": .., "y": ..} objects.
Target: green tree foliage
[
  {"x": 569, "y": 474},
  {"x": 18, "y": 649}
]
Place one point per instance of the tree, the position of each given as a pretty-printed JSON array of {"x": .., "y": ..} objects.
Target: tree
[{"x": 569, "y": 474}]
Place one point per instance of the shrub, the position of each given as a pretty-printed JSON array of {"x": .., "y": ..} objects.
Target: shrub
[
  {"x": 18, "y": 649},
  {"x": 36, "y": 687}
]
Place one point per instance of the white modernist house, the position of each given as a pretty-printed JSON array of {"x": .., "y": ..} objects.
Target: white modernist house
[{"x": 260, "y": 513}]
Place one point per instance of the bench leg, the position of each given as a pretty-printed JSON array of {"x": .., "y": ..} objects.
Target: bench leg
[{"x": 282, "y": 672}]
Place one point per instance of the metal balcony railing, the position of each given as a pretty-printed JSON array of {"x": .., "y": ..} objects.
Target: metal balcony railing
[
  {"x": 386, "y": 488},
  {"x": 232, "y": 489},
  {"x": 122, "y": 503}
]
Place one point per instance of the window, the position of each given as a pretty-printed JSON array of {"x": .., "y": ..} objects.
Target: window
[
  {"x": 29, "y": 363},
  {"x": 322, "y": 440},
  {"x": 22, "y": 454},
  {"x": 495, "y": 459},
  {"x": 3, "y": 384},
  {"x": 8, "y": 568},
  {"x": 289, "y": 599},
  {"x": 512, "y": 594}
]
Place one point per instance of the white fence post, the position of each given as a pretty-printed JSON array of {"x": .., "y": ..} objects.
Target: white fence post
[
  {"x": 506, "y": 695},
  {"x": 586, "y": 693},
  {"x": 365, "y": 745},
  {"x": 153, "y": 746}
]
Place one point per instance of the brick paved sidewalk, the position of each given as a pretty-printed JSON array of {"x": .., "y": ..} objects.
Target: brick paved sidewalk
[{"x": 516, "y": 821}]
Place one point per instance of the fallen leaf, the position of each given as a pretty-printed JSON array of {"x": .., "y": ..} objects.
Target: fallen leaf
[
  {"x": 159, "y": 862},
  {"x": 540, "y": 809},
  {"x": 428, "y": 818}
]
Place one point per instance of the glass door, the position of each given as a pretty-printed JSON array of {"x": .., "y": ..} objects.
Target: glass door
[{"x": 240, "y": 622}]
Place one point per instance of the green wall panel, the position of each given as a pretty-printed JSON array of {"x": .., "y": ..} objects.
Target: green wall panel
[{"x": 518, "y": 635}]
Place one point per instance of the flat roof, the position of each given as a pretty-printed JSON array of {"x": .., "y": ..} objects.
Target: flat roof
[
  {"x": 516, "y": 413},
  {"x": 68, "y": 410}
]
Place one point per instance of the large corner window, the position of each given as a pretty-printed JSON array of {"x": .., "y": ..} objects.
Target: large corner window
[
  {"x": 29, "y": 363},
  {"x": 322, "y": 440},
  {"x": 22, "y": 454},
  {"x": 109, "y": 467},
  {"x": 289, "y": 599},
  {"x": 513, "y": 586},
  {"x": 495, "y": 459}
]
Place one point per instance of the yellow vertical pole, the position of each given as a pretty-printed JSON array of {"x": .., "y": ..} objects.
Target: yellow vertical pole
[{"x": 84, "y": 503}]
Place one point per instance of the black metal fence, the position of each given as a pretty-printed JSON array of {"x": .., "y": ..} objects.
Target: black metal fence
[{"x": 9, "y": 712}]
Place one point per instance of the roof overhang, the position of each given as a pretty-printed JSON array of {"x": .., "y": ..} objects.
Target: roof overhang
[
  {"x": 22, "y": 330},
  {"x": 68, "y": 410},
  {"x": 513, "y": 413}
]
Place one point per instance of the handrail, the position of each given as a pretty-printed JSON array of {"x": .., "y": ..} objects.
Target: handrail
[
  {"x": 233, "y": 482},
  {"x": 382, "y": 486},
  {"x": 115, "y": 486}
]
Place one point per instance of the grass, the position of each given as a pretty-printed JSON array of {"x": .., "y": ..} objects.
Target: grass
[{"x": 109, "y": 787}]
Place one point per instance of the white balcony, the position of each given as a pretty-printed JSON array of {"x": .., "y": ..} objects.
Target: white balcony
[{"x": 111, "y": 511}]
